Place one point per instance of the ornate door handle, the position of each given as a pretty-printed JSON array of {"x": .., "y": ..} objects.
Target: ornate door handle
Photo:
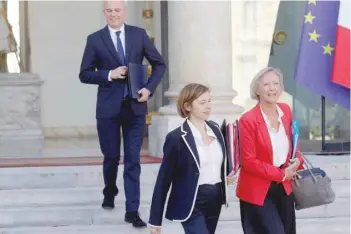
[{"x": 279, "y": 37}]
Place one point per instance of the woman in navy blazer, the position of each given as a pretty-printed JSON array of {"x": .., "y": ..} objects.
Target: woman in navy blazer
[{"x": 194, "y": 162}]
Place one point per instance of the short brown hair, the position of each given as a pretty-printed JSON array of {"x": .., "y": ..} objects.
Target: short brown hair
[{"x": 187, "y": 95}]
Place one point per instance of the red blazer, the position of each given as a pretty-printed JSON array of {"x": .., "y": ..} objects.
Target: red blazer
[{"x": 258, "y": 171}]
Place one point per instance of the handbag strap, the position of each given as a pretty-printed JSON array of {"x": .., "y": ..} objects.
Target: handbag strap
[
  {"x": 309, "y": 166},
  {"x": 307, "y": 162}
]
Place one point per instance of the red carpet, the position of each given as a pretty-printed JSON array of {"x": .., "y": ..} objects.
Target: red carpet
[{"x": 64, "y": 161}]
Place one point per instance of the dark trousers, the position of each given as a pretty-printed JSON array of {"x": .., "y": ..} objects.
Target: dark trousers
[
  {"x": 276, "y": 216},
  {"x": 133, "y": 127},
  {"x": 205, "y": 215}
]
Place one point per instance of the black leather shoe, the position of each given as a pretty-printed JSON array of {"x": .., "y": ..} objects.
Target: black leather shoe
[
  {"x": 134, "y": 218},
  {"x": 108, "y": 203}
]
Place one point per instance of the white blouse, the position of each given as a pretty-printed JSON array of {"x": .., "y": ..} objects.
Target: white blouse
[
  {"x": 279, "y": 139},
  {"x": 211, "y": 156}
]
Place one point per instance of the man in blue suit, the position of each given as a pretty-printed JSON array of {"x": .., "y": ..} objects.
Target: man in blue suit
[{"x": 105, "y": 63}]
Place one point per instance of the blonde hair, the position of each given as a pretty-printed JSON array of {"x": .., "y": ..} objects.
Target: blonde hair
[
  {"x": 256, "y": 80},
  {"x": 188, "y": 95}
]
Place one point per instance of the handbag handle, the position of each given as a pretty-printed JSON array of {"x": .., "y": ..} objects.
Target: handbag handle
[
  {"x": 309, "y": 166},
  {"x": 307, "y": 162}
]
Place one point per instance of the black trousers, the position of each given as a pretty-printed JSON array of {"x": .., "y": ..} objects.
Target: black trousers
[
  {"x": 206, "y": 212},
  {"x": 276, "y": 216}
]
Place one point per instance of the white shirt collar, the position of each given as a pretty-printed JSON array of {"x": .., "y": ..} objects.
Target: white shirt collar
[
  {"x": 112, "y": 30},
  {"x": 280, "y": 114},
  {"x": 196, "y": 132}
]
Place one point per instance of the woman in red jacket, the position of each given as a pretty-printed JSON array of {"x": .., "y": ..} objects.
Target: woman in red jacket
[{"x": 264, "y": 185}]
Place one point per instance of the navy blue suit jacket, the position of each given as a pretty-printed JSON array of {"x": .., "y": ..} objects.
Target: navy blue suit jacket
[
  {"x": 180, "y": 167},
  {"x": 100, "y": 56}
]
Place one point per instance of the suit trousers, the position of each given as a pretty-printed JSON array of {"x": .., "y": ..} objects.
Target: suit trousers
[
  {"x": 205, "y": 215},
  {"x": 276, "y": 216},
  {"x": 133, "y": 127}
]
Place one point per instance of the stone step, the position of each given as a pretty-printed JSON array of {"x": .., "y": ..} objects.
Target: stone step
[
  {"x": 94, "y": 214},
  {"x": 91, "y": 176},
  {"x": 62, "y": 197},
  {"x": 92, "y": 195},
  {"x": 304, "y": 226},
  {"x": 67, "y": 176}
]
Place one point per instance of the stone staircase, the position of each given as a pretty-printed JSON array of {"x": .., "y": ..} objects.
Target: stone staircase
[{"x": 57, "y": 200}]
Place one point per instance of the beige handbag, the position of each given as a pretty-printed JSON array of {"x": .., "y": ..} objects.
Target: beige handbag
[{"x": 312, "y": 187}]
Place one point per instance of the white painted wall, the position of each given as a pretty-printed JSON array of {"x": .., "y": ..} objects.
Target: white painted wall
[{"x": 58, "y": 31}]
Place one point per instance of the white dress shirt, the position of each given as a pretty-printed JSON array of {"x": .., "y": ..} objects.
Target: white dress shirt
[
  {"x": 279, "y": 139},
  {"x": 211, "y": 156},
  {"x": 122, "y": 36}
]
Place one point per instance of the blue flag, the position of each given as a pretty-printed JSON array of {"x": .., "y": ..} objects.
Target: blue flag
[{"x": 316, "y": 52}]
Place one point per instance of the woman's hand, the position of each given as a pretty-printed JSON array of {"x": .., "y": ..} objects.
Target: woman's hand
[
  {"x": 290, "y": 172},
  {"x": 156, "y": 230},
  {"x": 233, "y": 178},
  {"x": 295, "y": 163}
]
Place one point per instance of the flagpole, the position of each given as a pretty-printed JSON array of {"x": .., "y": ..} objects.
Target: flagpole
[{"x": 323, "y": 122}]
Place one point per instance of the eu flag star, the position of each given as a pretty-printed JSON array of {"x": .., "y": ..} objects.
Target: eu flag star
[
  {"x": 328, "y": 49},
  {"x": 314, "y": 36},
  {"x": 312, "y": 2},
  {"x": 309, "y": 18}
]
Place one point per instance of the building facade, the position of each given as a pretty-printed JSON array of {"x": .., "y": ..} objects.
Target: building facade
[{"x": 221, "y": 44}]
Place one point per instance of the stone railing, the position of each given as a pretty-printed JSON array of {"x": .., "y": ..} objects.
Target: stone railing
[{"x": 20, "y": 114}]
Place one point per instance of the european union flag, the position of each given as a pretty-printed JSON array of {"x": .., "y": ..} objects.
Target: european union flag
[{"x": 316, "y": 53}]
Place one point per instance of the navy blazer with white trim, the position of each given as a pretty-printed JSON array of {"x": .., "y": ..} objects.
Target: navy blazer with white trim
[{"x": 180, "y": 167}]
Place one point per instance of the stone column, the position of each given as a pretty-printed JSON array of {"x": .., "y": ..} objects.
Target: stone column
[
  {"x": 200, "y": 50},
  {"x": 24, "y": 30},
  {"x": 20, "y": 115},
  {"x": 253, "y": 24}
]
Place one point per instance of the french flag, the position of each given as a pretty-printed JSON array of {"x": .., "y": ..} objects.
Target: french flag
[{"x": 341, "y": 66}]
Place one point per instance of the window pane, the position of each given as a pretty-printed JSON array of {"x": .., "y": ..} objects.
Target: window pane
[
  {"x": 337, "y": 121},
  {"x": 307, "y": 109}
]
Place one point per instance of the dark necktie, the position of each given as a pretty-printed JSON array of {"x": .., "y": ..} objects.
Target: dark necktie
[
  {"x": 120, "y": 48},
  {"x": 120, "y": 53}
]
